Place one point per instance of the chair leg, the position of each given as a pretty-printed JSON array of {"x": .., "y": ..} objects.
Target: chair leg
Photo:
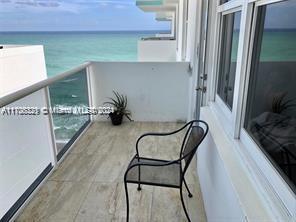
[
  {"x": 187, "y": 188},
  {"x": 139, "y": 177},
  {"x": 183, "y": 204},
  {"x": 127, "y": 201}
]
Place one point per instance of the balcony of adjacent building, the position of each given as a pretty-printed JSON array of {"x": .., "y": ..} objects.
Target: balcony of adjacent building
[{"x": 163, "y": 45}]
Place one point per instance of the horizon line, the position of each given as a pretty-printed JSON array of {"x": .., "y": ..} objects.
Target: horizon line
[{"x": 149, "y": 30}]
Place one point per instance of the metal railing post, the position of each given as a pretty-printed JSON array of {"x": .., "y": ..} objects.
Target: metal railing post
[{"x": 51, "y": 128}]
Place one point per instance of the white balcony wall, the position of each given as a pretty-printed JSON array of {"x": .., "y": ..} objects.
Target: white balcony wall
[
  {"x": 193, "y": 25},
  {"x": 30, "y": 67},
  {"x": 157, "y": 50},
  {"x": 180, "y": 29},
  {"x": 156, "y": 91},
  {"x": 25, "y": 150},
  {"x": 220, "y": 201}
]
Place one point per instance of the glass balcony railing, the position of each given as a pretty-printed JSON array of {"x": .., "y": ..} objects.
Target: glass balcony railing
[
  {"x": 39, "y": 123},
  {"x": 69, "y": 99},
  {"x": 65, "y": 105}
]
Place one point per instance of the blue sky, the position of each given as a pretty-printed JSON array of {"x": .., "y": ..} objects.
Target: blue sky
[{"x": 69, "y": 15}]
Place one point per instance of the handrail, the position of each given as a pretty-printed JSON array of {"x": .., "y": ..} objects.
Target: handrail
[{"x": 12, "y": 97}]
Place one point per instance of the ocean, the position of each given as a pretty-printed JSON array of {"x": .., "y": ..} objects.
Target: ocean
[
  {"x": 66, "y": 50},
  {"x": 279, "y": 45}
]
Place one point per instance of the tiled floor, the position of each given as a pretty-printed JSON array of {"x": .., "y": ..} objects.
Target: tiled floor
[{"x": 88, "y": 184}]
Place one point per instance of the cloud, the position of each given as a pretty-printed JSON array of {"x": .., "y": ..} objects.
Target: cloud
[
  {"x": 120, "y": 6},
  {"x": 106, "y": 1},
  {"x": 103, "y": 4},
  {"x": 26, "y": 3},
  {"x": 74, "y": 6},
  {"x": 58, "y": 2},
  {"x": 49, "y": 4},
  {"x": 31, "y": 3},
  {"x": 37, "y": 3}
]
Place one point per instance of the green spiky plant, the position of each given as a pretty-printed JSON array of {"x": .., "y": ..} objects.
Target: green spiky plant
[
  {"x": 280, "y": 104},
  {"x": 119, "y": 103}
]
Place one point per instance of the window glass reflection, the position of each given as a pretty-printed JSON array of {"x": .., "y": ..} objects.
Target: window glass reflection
[
  {"x": 228, "y": 57},
  {"x": 271, "y": 106}
]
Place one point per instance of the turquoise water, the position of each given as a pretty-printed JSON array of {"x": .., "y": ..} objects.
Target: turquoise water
[
  {"x": 66, "y": 50},
  {"x": 277, "y": 45},
  {"x": 68, "y": 93}
]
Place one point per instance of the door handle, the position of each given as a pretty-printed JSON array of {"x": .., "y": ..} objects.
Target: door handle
[{"x": 203, "y": 89}]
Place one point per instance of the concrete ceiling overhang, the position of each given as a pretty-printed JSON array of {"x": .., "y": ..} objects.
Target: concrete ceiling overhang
[{"x": 157, "y": 5}]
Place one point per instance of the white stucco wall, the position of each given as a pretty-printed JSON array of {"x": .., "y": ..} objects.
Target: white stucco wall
[
  {"x": 193, "y": 24},
  {"x": 20, "y": 66},
  {"x": 23, "y": 155},
  {"x": 191, "y": 56},
  {"x": 156, "y": 91},
  {"x": 157, "y": 50},
  {"x": 227, "y": 186},
  {"x": 220, "y": 201}
]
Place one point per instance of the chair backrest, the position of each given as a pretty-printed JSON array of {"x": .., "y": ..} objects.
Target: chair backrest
[{"x": 192, "y": 139}]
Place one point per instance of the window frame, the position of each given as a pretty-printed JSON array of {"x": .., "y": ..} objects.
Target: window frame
[
  {"x": 273, "y": 188},
  {"x": 227, "y": 115},
  {"x": 227, "y": 110},
  {"x": 273, "y": 180}
]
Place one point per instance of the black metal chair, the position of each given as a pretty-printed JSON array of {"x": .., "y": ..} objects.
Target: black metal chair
[{"x": 166, "y": 173}]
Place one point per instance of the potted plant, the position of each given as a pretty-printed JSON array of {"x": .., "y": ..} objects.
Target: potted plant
[
  {"x": 119, "y": 104},
  {"x": 280, "y": 103}
]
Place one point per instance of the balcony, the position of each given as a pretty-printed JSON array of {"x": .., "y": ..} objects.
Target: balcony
[
  {"x": 88, "y": 184},
  {"x": 162, "y": 46},
  {"x": 70, "y": 156},
  {"x": 157, "y": 49}
]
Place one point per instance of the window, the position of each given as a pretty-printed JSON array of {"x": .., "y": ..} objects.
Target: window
[
  {"x": 271, "y": 102},
  {"x": 228, "y": 56},
  {"x": 224, "y": 1}
]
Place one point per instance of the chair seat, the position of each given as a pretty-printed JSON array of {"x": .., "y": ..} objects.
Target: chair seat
[{"x": 168, "y": 176}]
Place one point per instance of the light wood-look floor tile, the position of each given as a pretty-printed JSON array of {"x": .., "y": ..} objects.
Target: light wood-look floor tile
[{"x": 88, "y": 185}]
